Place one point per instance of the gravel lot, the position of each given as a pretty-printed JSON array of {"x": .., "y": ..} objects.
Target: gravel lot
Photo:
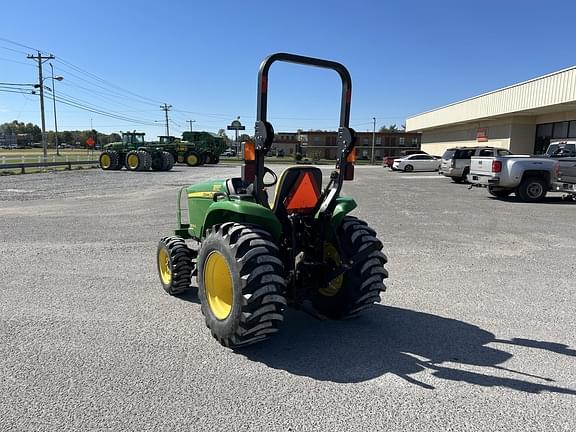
[{"x": 476, "y": 330}]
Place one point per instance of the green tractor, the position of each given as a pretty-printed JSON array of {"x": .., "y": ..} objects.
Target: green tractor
[
  {"x": 253, "y": 258},
  {"x": 195, "y": 148},
  {"x": 135, "y": 154},
  {"x": 209, "y": 145}
]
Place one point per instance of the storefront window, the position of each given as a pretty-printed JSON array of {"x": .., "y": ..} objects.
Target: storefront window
[
  {"x": 560, "y": 130},
  {"x": 572, "y": 129}
]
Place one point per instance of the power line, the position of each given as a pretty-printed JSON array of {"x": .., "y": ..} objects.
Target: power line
[
  {"x": 97, "y": 78},
  {"x": 19, "y": 44}
]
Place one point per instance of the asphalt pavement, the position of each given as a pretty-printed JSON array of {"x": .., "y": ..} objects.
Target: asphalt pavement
[{"x": 476, "y": 331}]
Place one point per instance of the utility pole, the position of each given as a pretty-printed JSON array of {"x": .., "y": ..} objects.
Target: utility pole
[
  {"x": 58, "y": 78},
  {"x": 41, "y": 59},
  {"x": 373, "y": 140},
  {"x": 190, "y": 121},
  {"x": 166, "y": 108}
]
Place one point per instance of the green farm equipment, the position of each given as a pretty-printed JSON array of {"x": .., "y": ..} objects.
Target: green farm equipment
[
  {"x": 195, "y": 148},
  {"x": 135, "y": 154},
  {"x": 252, "y": 258},
  {"x": 209, "y": 145}
]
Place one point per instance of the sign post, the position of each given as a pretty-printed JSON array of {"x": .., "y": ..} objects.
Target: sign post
[{"x": 236, "y": 126}]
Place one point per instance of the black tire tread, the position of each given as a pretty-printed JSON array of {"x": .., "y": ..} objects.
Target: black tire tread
[
  {"x": 370, "y": 271},
  {"x": 262, "y": 283},
  {"x": 181, "y": 264}
]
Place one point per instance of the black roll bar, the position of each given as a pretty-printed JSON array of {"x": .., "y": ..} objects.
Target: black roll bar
[{"x": 264, "y": 132}]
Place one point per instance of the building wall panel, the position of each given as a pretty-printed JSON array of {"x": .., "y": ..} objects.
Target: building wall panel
[{"x": 553, "y": 89}]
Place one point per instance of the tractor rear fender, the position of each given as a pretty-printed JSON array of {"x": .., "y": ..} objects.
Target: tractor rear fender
[
  {"x": 344, "y": 205},
  {"x": 243, "y": 212}
]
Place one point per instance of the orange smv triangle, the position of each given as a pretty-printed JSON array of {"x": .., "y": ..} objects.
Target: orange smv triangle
[{"x": 304, "y": 196}]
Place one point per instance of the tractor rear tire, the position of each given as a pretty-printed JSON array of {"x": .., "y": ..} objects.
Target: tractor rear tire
[
  {"x": 241, "y": 284},
  {"x": 174, "y": 260},
  {"x": 193, "y": 158},
  {"x": 145, "y": 160},
  {"x": 121, "y": 160},
  {"x": 167, "y": 161},
  {"x": 132, "y": 161},
  {"x": 359, "y": 287},
  {"x": 108, "y": 160}
]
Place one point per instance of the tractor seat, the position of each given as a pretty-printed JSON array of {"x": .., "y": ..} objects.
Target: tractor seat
[{"x": 297, "y": 191}]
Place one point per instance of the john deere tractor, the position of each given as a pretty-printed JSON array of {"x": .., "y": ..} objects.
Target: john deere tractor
[
  {"x": 253, "y": 257},
  {"x": 195, "y": 148},
  {"x": 135, "y": 154}
]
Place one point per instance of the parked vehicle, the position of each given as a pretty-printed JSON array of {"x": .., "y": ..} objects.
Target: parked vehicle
[
  {"x": 229, "y": 153},
  {"x": 456, "y": 161},
  {"x": 530, "y": 178},
  {"x": 565, "y": 153},
  {"x": 388, "y": 161},
  {"x": 561, "y": 149},
  {"x": 416, "y": 162}
]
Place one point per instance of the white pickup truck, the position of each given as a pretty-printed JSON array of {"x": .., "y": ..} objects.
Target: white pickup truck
[{"x": 530, "y": 178}]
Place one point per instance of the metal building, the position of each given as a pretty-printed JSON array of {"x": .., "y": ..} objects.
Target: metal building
[{"x": 523, "y": 117}]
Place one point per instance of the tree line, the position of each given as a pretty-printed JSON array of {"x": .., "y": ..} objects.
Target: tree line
[{"x": 33, "y": 134}]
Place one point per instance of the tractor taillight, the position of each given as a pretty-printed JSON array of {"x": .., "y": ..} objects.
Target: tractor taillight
[
  {"x": 349, "y": 165},
  {"x": 496, "y": 166},
  {"x": 249, "y": 166},
  {"x": 352, "y": 156},
  {"x": 249, "y": 151}
]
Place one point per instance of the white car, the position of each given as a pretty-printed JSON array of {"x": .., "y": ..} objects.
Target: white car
[{"x": 416, "y": 162}]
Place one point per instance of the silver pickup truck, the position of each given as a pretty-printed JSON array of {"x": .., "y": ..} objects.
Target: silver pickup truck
[
  {"x": 565, "y": 152},
  {"x": 530, "y": 178}
]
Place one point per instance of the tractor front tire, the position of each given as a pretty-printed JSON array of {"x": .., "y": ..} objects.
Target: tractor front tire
[
  {"x": 208, "y": 158},
  {"x": 215, "y": 159},
  {"x": 174, "y": 259},
  {"x": 241, "y": 284},
  {"x": 108, "y": 160},
  {"x": 360, "y": 286}
]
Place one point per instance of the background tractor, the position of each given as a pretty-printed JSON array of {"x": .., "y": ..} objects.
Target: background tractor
[
  {"x": 134, "y": 154},
  {"x": 253, "y": 258},
  {"x": 195, "y": 148}
]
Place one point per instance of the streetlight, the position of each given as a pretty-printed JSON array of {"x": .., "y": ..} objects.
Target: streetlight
[
  {"x": 57, "y": 78},
  {"x": 373, "y": 139}
]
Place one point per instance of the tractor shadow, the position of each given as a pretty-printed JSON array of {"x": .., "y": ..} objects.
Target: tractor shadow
[{"x": 399, "y": 341}]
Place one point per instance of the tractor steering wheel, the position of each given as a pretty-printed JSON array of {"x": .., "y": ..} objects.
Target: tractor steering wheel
[{"x": 274, "y": 177}]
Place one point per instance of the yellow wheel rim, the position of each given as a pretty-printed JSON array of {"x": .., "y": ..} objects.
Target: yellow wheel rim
[
  {"x": 332, "y": 255},
  {"x": 218, "y": 285},
  {"x": 132, "y": 161},
  {"x": 164, "y": 266},
  {"x": 105, "y": 161},
  {"x": 192, "y": 159},
  {"x": 180, "y": 159}
]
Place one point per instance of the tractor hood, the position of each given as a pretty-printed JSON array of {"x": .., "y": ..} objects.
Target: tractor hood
[{"x": 206, "y": 189}]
